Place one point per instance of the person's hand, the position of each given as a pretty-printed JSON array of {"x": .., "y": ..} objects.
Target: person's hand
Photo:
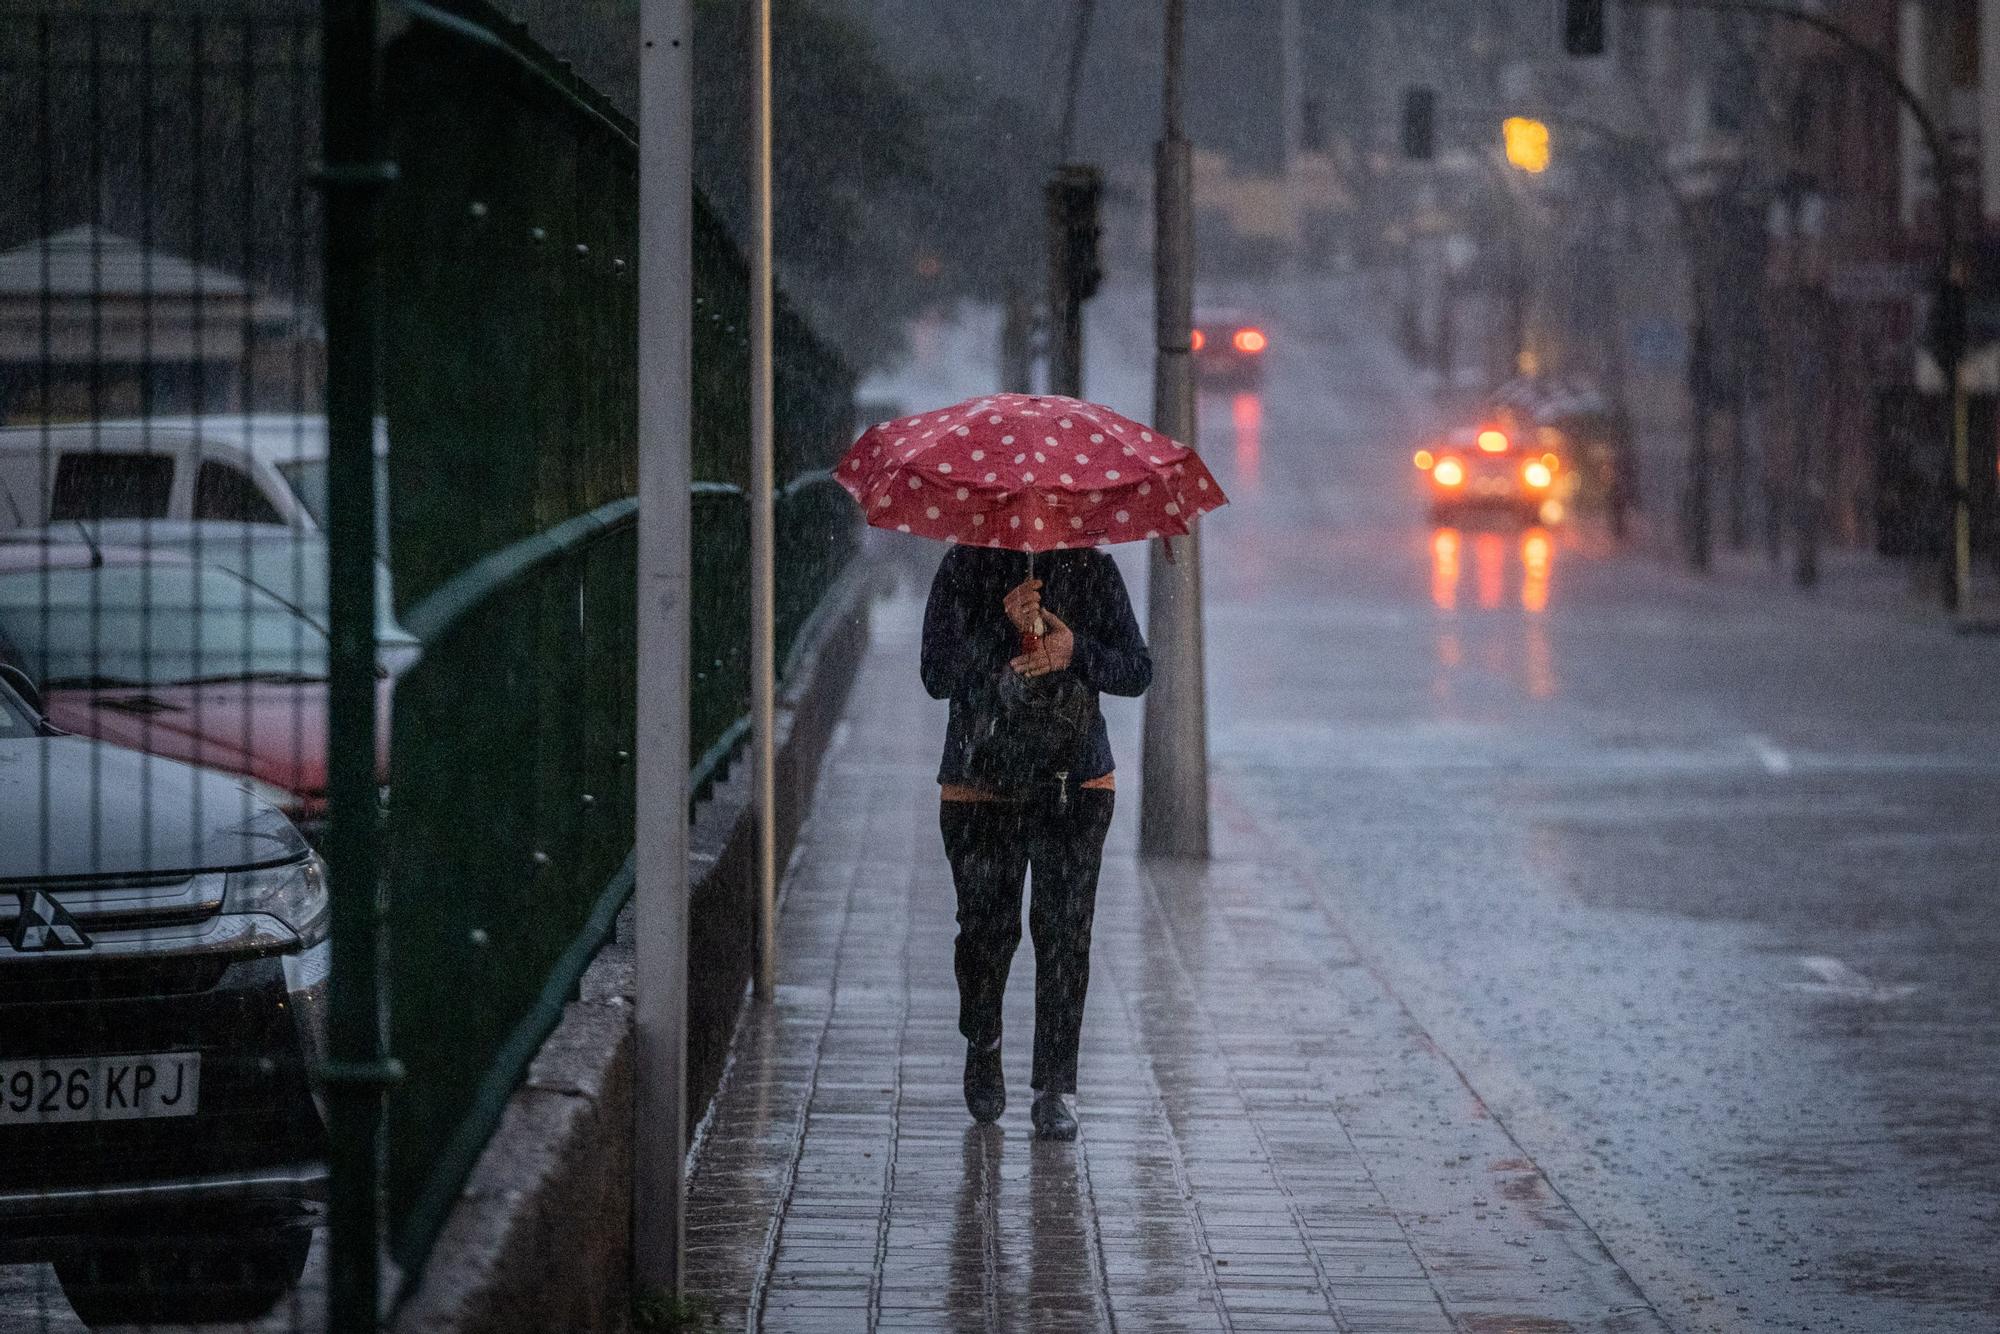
[
  {"x": 1023, "y": 604},
  {"x": 1057, "y": 648}
]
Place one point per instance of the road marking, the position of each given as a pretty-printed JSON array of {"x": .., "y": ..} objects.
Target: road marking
[
  {"x": 1840, "y": 982},
  {"x": 1770, "y": 755}
]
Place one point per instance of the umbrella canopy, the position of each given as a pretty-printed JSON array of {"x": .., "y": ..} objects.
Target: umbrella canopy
[{"x": 1029, "y": 472}]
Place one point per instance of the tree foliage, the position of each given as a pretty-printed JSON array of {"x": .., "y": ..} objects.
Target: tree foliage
[{"x": 891, "y": 198}]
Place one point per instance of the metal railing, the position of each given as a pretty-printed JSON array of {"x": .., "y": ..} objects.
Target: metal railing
[
  {"x": 509, "y": 363},
  {"x": 189, "y": 372}
]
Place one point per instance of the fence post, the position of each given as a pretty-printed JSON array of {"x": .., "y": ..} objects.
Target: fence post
[
  {"x": 358, "y": 1072},
  {"x": 666, "y": 279},
  {"x": 763, "y": 536}
]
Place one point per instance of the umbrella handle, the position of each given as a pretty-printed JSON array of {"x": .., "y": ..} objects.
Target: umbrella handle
[{"x": 1032, "y": 639}]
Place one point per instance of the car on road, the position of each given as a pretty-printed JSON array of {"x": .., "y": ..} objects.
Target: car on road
[
  {"x": 1475, "y": 470},
  {"x": 1229, "y": 348},
  {"x": 191, "y": 662},
  {"x": 163, "y": 969}
]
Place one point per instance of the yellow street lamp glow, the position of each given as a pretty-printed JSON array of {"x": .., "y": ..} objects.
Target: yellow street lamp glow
[{"x": 1527, "y": 143}]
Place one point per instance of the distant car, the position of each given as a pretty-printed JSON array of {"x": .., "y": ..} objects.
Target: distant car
[
  {"x": 285, "y": 562},
  {"x": 257, "y": 468},
  {"x": 1229, "y": 348},
  {"x": 146, "y": 649},
  {"x": 163, "y": 970},
  {"x": 1481, "y": 470}
]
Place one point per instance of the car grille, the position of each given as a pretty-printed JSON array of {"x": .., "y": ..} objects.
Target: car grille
[
  {"x": 101, "y": 980},
  {"x": 126, "y": 902}
]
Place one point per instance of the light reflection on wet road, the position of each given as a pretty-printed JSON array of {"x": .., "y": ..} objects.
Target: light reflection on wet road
[{"x": 1608, "y": 831}]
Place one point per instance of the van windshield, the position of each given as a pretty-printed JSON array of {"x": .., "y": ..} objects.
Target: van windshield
[{"x": 307, "y": 478}]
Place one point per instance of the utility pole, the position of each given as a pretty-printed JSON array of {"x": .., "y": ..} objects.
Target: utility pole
[
  {"x": 1291, "y": 89},
  {"x": 763, "y": 526},
  {"x": 1173, "y": 807},
  {"x": 1074, "y": 197},
  {"x": 1017, "y": 341},
  {"x": 1698, "y": 530},
  {"x": 660, "y": 891}
]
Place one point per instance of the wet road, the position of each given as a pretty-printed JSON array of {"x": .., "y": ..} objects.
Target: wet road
[{"x": 1694, "y": 883}]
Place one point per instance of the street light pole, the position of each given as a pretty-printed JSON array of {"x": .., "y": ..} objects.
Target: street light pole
[
  {"x": 1173, "y": 800},
  {"x": 660, "y": 899}
]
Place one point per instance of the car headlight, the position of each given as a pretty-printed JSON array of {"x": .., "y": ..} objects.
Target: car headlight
[{"x": 294, "y": 893}]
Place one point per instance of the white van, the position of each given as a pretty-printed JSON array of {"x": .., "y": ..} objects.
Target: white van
[{"x": 264, "y": 468}]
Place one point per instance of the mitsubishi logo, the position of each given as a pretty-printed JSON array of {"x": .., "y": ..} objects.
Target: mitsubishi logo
[{"x": 45, "y": 924}]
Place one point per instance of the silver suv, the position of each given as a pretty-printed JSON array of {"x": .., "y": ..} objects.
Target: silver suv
[{"x": 163, "y": 965}]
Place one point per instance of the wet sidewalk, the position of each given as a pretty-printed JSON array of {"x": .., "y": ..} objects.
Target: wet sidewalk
[{"x": 1269, "y": 1142}]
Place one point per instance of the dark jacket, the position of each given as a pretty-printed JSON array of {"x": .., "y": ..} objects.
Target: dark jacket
[{"x": 969, "y": 642}]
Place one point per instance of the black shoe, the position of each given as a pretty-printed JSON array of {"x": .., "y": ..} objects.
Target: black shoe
[
  {"x": 1052, "y": 1117},
  {"x": 985, "y": 1083}
]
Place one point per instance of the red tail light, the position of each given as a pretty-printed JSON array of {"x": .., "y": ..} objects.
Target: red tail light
[{"x": 1250, "y": 341}]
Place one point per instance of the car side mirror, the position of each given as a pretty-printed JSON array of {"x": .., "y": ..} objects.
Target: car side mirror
[{"x": 21, "y": 684}]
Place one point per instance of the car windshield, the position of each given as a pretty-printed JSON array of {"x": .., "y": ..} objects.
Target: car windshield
[
  {"x": 307, "y": 478},
  {"x": 153, "y": 624}
]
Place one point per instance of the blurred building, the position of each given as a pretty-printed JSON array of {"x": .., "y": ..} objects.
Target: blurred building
[
  {"x": 1738, "y": 230},
  {"x": 92, "y": 324}
]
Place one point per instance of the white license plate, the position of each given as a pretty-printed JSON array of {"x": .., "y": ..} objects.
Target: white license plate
[{"x": 99, "y": 1088}]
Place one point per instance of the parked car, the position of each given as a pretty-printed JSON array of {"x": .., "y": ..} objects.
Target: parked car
[
  {"x": 285, "y": 562},
  {"x": 1229, "y": 348},
  {"x": 163, "y": 967},
  {"x": 191, "y": 662},
  {"x": 259, "y": 468}
]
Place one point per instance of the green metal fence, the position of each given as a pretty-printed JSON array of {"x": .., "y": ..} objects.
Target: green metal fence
[{"x": 508, "y": 362}]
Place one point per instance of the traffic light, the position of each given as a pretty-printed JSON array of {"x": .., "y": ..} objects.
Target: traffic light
[
  {"x": 1419, "y": 124},
  {"x": 1074, "y": 198},
  {"x": 1583, "y": 27},
  {"x": 1527, "y": 143}
]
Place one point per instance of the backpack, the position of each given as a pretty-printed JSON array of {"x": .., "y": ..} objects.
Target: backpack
[{"x": 1025, "y": 733}]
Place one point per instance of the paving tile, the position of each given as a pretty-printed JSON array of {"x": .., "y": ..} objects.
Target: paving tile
[{"x": 1262, "y": 1124}]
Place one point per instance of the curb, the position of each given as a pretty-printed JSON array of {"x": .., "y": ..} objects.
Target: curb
[{"x": 540, "y": 1238}]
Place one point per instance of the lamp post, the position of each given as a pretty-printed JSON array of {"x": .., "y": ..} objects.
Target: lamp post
[
  {"x": 660, "y": 903},
  {"x": 1173, "y": 798}
]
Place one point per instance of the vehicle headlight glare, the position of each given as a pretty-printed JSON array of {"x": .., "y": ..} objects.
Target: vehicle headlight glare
[{"x": 294, "y": 893}]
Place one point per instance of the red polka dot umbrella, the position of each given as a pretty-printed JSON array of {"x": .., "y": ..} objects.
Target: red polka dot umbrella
[{"x": 1029, "y": 473}]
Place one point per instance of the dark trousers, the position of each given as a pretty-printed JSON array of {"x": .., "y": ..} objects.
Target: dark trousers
[{"x": 992, "y": 846}]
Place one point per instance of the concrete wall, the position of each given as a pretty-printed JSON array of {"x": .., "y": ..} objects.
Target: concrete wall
[{"x": 541, "y": 1237}]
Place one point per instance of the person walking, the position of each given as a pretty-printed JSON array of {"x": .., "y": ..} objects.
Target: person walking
[{"x": 1027, "y": 786}]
